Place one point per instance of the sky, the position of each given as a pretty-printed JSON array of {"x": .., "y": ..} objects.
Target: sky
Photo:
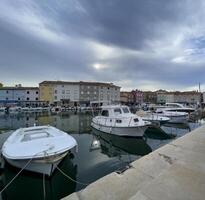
[{"x": 135, "y": 44}]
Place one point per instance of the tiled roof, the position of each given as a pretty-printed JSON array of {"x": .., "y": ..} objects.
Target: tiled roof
[
  {"x": 19, "y": 88},
  {"x": 78, "y": 83}
]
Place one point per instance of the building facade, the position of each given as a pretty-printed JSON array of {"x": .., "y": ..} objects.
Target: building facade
[
  {"x": 149, "y": 97},
  {"x": 126, "y": 97},
  {"x": 138, "y": 96},
  {"x": 19, "y": 94},
  {"x": 78, "y": 93},
  {"x": 188, "y": 97}
]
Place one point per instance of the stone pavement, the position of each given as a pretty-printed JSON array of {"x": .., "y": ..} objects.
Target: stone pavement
[{"x": 175, "y": 171}]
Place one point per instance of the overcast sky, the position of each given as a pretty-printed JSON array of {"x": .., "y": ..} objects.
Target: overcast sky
[{"x": 144, "y": 44}]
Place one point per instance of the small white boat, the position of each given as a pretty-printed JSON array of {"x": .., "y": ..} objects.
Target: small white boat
[
  {"x": 43, "y": 146},
  {"x": 177, "y": 107},
  {"x": 15, "y": 109},
  {"x": 57, "y": 109},
  {"x": 154, "y": 118},
  {"x": 175, "y": 117},
  {"x": 118, "y": 120},
  {"x": 2, "y": 109}
]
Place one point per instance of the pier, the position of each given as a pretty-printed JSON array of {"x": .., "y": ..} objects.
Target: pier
[{"x": 175, "y": 171}]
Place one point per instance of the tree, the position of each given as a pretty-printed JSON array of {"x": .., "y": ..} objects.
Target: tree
[{"x": 1, "y": 85}]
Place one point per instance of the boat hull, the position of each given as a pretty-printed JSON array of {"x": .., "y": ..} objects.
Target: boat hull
[
  {"x": 43, "y": 166},
  {"x": 136, "y": 131},
  {"x": 178, "y": 119}
]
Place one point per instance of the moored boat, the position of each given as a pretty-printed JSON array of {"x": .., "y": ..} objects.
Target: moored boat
[
  {"x": 39, "y": 149},
  {"x": 154, "y": 118},
  {"x": 175, "y": 117},
  {"x": 118, "y": 120}
]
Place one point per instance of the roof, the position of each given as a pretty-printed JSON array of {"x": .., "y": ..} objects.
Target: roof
[
  {"x": 19, "y": 88},
  {"x": 78, "y": 83}
]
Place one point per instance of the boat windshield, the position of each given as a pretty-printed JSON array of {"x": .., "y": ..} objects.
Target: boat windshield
[
  {"x": 125, "y": 110},
  {"x": 105, "y": 113},
  {"x": 117, "y": 111}
]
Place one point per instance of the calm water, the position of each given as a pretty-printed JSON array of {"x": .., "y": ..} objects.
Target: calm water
[{"x": 98, "y": 154}]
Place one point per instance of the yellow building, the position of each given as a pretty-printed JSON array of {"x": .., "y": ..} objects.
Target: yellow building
[{"x": 46, "y": 91}]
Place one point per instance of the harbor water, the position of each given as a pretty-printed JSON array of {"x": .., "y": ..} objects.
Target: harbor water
[{"x": 98, "y": 154}]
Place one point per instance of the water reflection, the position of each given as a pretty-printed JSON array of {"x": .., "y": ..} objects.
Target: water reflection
[
  {"x": 113, "y": 145},
  {"x": 99, "y": 153},
  {"x": 30, "y": 186}
]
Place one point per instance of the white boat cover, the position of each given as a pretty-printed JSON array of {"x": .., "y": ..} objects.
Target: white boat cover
[{"x": 37, "y": 142}]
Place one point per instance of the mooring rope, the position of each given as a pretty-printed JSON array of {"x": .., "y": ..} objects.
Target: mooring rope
[
  {"x": 44, "y": 187},
  {"x": 16, "y": 175},
  {"x": 11, "y": 181},
  {"x": 70, "y": 177}
]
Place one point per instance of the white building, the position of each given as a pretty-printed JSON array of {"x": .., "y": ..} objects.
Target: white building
[
  {"x": 19, "y": 94},
  {"x": 188, "y": 97},
  {"x": 78, "y": 93},
  {"x": 66, "y": 92}
]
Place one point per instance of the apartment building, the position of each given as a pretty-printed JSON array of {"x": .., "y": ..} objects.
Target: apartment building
[
  {"x": 149, "y": 97},
  {"x": 126, "y": 97},
  {"x": 78, "y": 93},
  {"x": 188, "y": 97},
  {"x": 19, "y": 94}
]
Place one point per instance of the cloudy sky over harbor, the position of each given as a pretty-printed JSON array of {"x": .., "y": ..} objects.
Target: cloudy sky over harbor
[{"x": 145, "y": 44}]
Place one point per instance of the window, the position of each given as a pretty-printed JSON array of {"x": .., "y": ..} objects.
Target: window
[
  {"x": 118, "y": 121},
  {"x": 28, "y": 92},
  {"x": 125, "y": 110},
  {"x": 19, "y": 99},
  {"x": 36, "y": 92},
  {"x": 55, "y": 97},
  {"x": 36, "y": 98},
  {"x": 117, "y": 111},
  {"x": 105, "y": 113},
  {"x": 63, "y": 91},
  {"x": 136, "y": 120},
  {"x": 27, "y": 98},
  {"x": 56, "y": 91},
  {"x": 7, "y": 92}
]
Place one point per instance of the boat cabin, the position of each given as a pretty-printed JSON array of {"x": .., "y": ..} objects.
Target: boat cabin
[{"x": 114, "y": 111}]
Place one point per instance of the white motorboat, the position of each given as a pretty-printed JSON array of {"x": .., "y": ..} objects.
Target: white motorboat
[
  {"x": 118, "y": 120},
  {"x": 154, "y": 118},
  {"x": 177, "y": 107},
  {"x": 175, "y": 117},
  {"x": 39, "y": 149},
  {"x": 15, "y": 109},
  {"x": 2, "y": 109},
  {"x": 57, "y": 109}
]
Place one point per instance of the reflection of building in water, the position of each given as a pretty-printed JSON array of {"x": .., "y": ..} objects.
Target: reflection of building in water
[
  {"x": 68, "y": 122},
  {"x": 77, "y": 123},
  {"x": 17, "y": 121},
  {"x": 30, "y": 186}
]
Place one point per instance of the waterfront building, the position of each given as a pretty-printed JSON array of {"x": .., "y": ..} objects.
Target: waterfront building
[
  {"x": 188, "y": 97},
  {"x": 78, "y": 93},
  {"x": 126, "y": 97},
  {"x": 138, "y": 96},
  {"x": 149, "y": 97},
  {"x": 22, "y": 95}
]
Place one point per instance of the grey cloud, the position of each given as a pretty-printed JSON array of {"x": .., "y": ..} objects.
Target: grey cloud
[{"x": 118, "y": 24}]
